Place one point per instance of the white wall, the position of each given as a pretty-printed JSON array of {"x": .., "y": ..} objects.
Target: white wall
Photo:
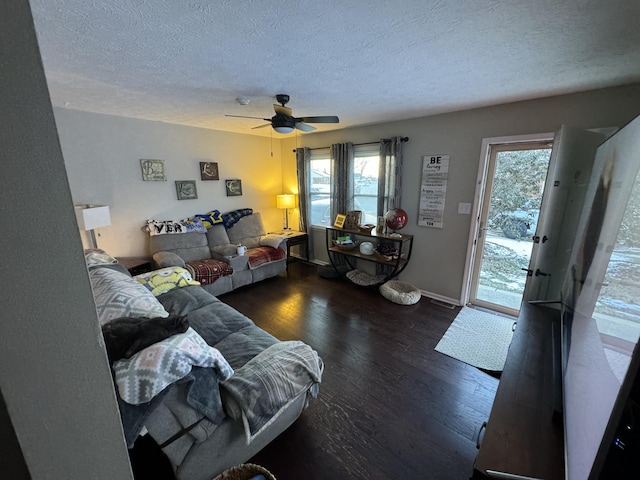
[
  {"x": 102, "y": 154},
  {"x": 54, "y": 374},
  {"x": 437, "y": 263}
]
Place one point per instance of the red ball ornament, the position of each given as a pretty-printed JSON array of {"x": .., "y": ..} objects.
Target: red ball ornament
[{"x": 396, "y": 219}]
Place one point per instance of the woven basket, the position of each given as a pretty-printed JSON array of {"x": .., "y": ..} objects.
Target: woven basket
[{"x": 245, "y": 471}]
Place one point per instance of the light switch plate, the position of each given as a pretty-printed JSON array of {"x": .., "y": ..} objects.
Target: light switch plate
[{"x": 464, "y": 208}]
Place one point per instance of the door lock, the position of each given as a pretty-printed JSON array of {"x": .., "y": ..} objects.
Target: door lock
[{"x": 542, "y": 274}]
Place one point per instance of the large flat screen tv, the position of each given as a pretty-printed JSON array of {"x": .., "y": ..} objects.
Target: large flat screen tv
[{"x": 601, "y": 310}]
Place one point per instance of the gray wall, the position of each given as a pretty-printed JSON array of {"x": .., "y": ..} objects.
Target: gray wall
[
  {"x": 54, "y": 375},
  {"x": 437, "y": 263}
]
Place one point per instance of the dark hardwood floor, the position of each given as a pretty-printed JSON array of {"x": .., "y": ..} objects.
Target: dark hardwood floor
[{"x": 390, "y": 406}]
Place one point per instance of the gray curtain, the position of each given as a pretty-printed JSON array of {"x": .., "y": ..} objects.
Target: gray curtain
[
  {"x": 303, "y": 165},
  {"x": 342, "y": 160},
  {"x": 390, "y": 175}
]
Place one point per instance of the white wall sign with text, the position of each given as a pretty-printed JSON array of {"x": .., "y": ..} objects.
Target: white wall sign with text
[{"x": 433, "y": 189}]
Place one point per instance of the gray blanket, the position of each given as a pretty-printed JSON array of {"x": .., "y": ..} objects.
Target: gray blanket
[
  {"x": 222, "y": 327},
  {"x": 266, "y": 384}
]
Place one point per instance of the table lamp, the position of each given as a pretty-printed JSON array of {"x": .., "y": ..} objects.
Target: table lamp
[
  {"x": 286, "y": 201},
  {"x": 91, "y": 217}
]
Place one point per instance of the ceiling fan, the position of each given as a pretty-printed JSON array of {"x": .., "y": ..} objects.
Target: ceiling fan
[{"x": 284, "y": 122}]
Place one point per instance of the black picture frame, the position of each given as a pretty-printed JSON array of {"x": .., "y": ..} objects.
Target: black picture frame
[
  {"x": 209, "y": 171},
  {"x": 233, "y": 187}
]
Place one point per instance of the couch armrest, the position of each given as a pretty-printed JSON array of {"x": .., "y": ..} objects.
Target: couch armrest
[
  {"x": 273, "y": 240},
  {"x": 224, "y": 250},
  {"x": 237, "y": 262},
  {"x": 168, "y": 259}
]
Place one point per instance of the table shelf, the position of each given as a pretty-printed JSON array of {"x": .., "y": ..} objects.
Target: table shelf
[{"x": 392, "y": 265}]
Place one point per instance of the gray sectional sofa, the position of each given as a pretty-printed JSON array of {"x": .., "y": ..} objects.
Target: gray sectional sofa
[
  {"x": 265, "y": 254},
  {"x": 206, "y": 418}
]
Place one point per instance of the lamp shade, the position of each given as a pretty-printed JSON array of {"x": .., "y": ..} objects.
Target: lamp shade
[
  {"x": 93, "y": 216},
  {"x": 286, "y": 200}
]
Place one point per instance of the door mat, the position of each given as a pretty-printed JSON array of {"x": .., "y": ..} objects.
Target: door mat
[{"x": 478, "y": 338}]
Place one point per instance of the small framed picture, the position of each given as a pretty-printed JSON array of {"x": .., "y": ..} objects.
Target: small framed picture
[
  {"x": 340, "y": 218},
  {"x": 209, "y": 171},
  {"x": 233, "y": 187},
  {"x": 353, "y": 219},
  {"x": 152, "y": 170},
  {"x": 186, "y": 189}
]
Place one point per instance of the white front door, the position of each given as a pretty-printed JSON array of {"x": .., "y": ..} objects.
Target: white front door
[
  {"x": 512, "y": 186},
  {"x": 568, "y": 177}
]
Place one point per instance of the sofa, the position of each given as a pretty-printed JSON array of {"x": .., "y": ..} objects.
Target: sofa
[
  {"x": 209, "y": 386},
  {"x": 211, "y": 253}
]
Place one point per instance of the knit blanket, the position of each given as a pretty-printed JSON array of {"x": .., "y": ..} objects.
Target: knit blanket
[
  {"x": 268, "y": 383},
  {"x": 208, "y": 270},
  {"x": 148, "y": 372},
  {"x": 261, "y": 255},
  {"x": 231, "y": 218}
]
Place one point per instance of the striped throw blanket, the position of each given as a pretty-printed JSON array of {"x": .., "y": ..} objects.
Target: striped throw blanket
[{"x": 269, "y": 382}]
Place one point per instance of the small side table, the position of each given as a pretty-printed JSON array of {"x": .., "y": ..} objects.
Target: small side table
[
  {"x": 294, "y": 237},
  {"x": 136, "y": 265}
]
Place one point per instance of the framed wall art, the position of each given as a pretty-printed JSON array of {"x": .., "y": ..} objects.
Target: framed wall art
[
  {"x": 352, "y": 220},
  {"x": 340, "y": 218},
  {"x": 209, "y": 171},
  {"x": 186, "y": 189},
  {"x": 153, "y": 170},
  {"x": 234, "y": 187}
]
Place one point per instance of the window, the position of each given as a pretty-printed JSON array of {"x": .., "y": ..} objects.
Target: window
[
  {"x": 365, "y": 182},
  {"x": 320, "y": 187}
]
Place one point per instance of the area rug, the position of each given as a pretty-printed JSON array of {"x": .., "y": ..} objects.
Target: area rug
[{"x": 478, "y": 338}]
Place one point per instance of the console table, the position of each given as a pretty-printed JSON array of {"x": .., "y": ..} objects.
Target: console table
[
  {"x": 393, "y": 264},
  {"x": 521, "y": 437}
]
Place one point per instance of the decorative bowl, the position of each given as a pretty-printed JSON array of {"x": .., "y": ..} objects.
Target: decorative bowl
[
  {"x": 366, "y": 228},
  {"x": 345, "y": 246}
]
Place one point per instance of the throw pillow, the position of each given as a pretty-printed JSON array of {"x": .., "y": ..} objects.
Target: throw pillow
[
  {"x": 165, "y": 279},
  {"x": 155, "y": 227},
  {"x": 118, "y": 295},
  {"x": 271, "y": 240}
]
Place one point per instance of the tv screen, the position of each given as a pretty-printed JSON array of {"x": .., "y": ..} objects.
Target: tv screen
[{"x": 601, "y": 314}]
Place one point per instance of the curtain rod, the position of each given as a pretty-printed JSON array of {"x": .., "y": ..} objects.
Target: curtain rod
[{"x": 403, "y": 139}]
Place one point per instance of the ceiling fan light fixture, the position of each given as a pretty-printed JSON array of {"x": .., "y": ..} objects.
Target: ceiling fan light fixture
[{"x": 283, "y": 128}]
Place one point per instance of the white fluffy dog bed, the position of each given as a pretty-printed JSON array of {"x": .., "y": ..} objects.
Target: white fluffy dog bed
[{"x": 402, "y": 293}]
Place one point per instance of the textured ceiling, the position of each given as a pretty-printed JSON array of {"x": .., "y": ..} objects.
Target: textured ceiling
[{"x": 186, "y": 61}]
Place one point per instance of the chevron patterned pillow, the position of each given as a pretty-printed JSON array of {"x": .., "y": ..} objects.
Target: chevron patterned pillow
[{"x": 118, "y": 295}]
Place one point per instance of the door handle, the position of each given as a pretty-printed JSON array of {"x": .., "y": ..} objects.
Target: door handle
[
  {"x": 542, "y": 274},
  {"x": 529, "y": 272}
]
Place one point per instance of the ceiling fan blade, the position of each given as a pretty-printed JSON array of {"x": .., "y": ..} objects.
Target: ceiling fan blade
[
  {"x": 304, "y": 127},
  {"x": 261, "y": 126},
  {"x": 243, "y": 116},
  {"x": 325, "y": 119},
  {"x": 281, "y": 110}
]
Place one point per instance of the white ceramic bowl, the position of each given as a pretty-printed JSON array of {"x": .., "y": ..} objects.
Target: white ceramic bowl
[{"x": 366, "y": 248}]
